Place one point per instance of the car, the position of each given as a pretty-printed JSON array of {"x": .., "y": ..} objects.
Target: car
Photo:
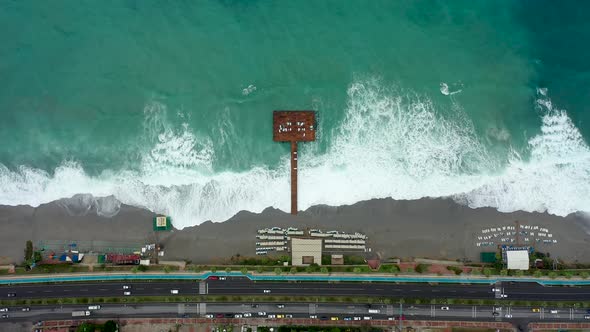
[
  {"x": 229, "y": 315},
  {"x": 39, "y": 323},
  {"x": 238, "y": 316},
  {"x": 247, "y": 314},
  {"x": 313, "y": 316},
  {"x": 5, "y": 316},
  {"x": 503, "y": 296},
  {"x": 508, "y": 316},
  {"x": 280, "y": 306},
  {"x": 219, "y": 315},
  {"x": 402, "y": 317},
  {"x": 267, "y": 290},
  {"x": 495, "y": 289},
  {"x": 390, "y": 318},
  {"x": 261, "y": 313},
  {"x": 444, "y": 308},
  {"x": 3, "y": 309},
  {"x": 588, "y": 311},
  {"x": 367, "y": 317},
  {"x": 280, "y": 316},
  {"x": 26, "y": 309},
  {"x": 126, "y": 287},
  {"x": 334, "y": 318},
  {"x": 272, "y": 316},
  {"x": 536, "y": 310},
  {"x": 209, "y": 316},
  {"x": 288, "y": 316},
  {"x": 495, "y": 314},
  {"x": 347, "y": 318},
  {"x": 586, "y": 316},
  {"x": 127, "y": 293},
  {"x": 356, "y": 318},
  {"x": 213, "y": 278},
  {"x": 94, "y": 307},
  {"x": 222, "y": 278},
  {"x": 254, "y": 306},
  {"x": 174, "y": 291},
  {"x": 11, "y": 294},
  {"x": 324, "y": 318},
  {"x": 554, "y": 311}
]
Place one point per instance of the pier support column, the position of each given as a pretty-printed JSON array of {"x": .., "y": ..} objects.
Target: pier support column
[{"x": 293, "y": 177}]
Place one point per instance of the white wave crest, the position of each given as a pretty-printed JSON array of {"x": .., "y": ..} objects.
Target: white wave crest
[{"x": 390, "y": 144}]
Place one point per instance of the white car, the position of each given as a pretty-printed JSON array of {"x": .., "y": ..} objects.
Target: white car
[
  {"x": 261, "y": 313},
  {"x": 495, "y": 289},
  {"x": 554, "y": 311},
  {"x": 3, "y": 309},
  {"x": 127, "y": 293},
  {"x": 508, "y": 316},
  {"x": 313, "y": 316},
  {"x": 503, "y": 295},
  {"x": 356, "y": 318},
  {"x": 288, "y": 316},
  {"x": 222, "y": 278},
  {"x": 272, "y": 316},
  {"x": 174, "y": 291},
  {"x": 390, "y": 318},
  {"x": 367, "y": 318},
  {"x": 444, "y": 308},
  {"x": 209, "y": 316},
  {"x": 247, "y": 314},
  {"x": 238, "y": 316},
  {"x": 126, "y": 287},
  {"x": 267, "y": 290}
]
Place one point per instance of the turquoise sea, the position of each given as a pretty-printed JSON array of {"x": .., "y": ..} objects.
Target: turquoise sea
[{"x": 168, "y": 104}]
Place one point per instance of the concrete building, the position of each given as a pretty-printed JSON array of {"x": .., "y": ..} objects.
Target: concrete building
[
  {"x": 306, "y": 251},
  {"x": 517, "y": 259}
]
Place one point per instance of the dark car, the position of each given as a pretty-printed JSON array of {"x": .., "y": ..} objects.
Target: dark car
[
  {"x": 229, "y": 315},
  {"x": 495, "y": 313},
  {"x": 219, "y": 315},
  {"x": 213, "y": 278},
  {"x": 324, "y": 318}
]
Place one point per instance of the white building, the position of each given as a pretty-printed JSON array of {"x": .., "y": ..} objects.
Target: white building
[{"x": 517, "y": 259}]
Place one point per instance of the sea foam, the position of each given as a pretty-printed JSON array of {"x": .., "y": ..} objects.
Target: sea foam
[{"x": 391, "y": 143}]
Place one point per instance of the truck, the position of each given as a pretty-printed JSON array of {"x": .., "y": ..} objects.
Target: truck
[{"x": 80, "y": 313}]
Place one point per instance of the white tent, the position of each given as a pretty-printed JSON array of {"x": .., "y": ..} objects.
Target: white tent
[{"x": 517, "y": 259}]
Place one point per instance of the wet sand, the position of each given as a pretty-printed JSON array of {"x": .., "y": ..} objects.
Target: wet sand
[{"x": 431, "y": 228}]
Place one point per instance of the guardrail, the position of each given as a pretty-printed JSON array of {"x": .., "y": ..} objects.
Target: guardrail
[{"x": 326, "y": 278}]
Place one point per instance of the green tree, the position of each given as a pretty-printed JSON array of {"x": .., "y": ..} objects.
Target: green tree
[
  {"x": 278, "y": 271},
  {"x": 395, "y": 269},
  {"x": 134, "y": 269},
  {"x": 167, "y": 269},
  {"x": 552, "y": 275},
  {"x": 109, "y": 326},
  {"x": 487, "y": 271},
  {"x": 585, "y": 275},
  {"x": 568, "y": 274},
  {"x": 504, "y": 272},
  {"x": 293, "y": 270},
  {"x": 538, "y": 274},
  {"x": 324, "y": 270},
  {"x": 214, "y": 269},
  {"x": 244, "y": 270},
  {"x": 519, "y": 273},
  {"x": 259, "y": 269},
  {"x": 142, "y": 268},
  {"x": 29, "y": 250},
  {"x": 308, "y": 269},
  {"x": 86, "y": 327},
  {"x": 421, "y": 268},
  {"x": 227, "y": 269},
  {"x": 357, "y": 270}
]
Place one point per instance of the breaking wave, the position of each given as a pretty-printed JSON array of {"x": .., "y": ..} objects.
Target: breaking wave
[{"x": 391, "y": 143}]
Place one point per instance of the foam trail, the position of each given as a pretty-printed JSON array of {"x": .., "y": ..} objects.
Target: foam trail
[{"x": 391, "y": 143}]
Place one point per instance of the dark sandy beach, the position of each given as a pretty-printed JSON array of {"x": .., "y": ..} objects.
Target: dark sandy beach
[{"x": 433, "y": 228}]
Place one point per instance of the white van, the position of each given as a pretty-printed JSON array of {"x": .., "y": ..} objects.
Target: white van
[
  {"x": 374, "y": 311},
  {"x": 94, "y": 307},
  {"x": 174, "y": 291}
]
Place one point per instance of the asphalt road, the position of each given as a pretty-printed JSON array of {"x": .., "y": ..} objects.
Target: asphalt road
[
  {"x": 243, "y": 286},
  {"x": 319, "y": 311}
]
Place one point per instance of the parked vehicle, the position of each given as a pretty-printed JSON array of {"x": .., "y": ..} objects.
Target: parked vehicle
[
  {"x": 374, "y": 311},
  {"x": 94, "y": 307},
  {"x": 80, "y": 313},
  {"x": 174, "y": 291},
  {"x": 26, "y": 309},
  {"x": 313, "y": 316},
  {"x": 208, "y": 316},
  {"x": 247, "y": 314},
  {"x": 444, "y": 308},
  {"x": 213, "y": 278}
]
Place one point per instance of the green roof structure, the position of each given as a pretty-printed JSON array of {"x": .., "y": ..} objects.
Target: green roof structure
[
  {"x": 488, "y": 257},
  {"x": 162, "y": 223}
]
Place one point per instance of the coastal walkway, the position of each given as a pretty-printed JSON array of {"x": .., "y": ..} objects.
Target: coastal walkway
[{"x": 335, "y": 277}]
